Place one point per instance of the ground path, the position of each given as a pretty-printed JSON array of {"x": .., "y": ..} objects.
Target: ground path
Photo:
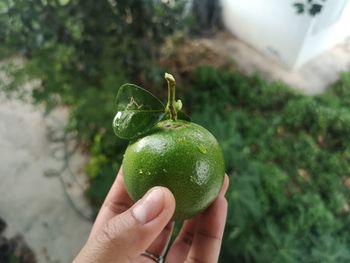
[
  {"x": 41, "y": 199},
  {"x": 312, "y": 78}
]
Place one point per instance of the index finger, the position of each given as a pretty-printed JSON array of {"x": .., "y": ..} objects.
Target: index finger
[{"x": 116, "y": 202}]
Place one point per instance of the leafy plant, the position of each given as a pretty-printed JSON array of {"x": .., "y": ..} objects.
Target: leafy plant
[
  {"x": 81, "y": 52},
  {"x": 288, "y": 157}
]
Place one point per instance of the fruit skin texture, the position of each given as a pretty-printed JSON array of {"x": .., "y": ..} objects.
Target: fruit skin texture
[{"x": 182, "y": 156}]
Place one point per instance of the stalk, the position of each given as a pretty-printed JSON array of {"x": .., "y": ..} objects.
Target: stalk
[{"x": 171, "y": 105}]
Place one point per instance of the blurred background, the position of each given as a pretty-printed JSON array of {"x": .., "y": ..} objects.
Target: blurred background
[{"x": 270, "y": 79}]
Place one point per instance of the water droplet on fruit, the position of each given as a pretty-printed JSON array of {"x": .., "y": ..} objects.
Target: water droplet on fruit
[
  {"x": 158, "y": 145},
  {"x": 202, "y": 148}
]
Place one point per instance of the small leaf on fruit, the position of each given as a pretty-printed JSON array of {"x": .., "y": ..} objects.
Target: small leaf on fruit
[
  {"x": 137, "y": 111},
  {"x": 178, "y": 105}
]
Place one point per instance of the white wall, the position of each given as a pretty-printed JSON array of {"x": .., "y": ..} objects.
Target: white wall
[
  {"x": 329, "y": 28},
  {"x": 274, "y": 28}
]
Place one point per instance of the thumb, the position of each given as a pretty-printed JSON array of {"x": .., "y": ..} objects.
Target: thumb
[{"x": 127, "y": 235}]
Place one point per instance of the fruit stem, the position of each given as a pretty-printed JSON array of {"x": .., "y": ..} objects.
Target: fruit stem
[{"x": 170, "y": 107}]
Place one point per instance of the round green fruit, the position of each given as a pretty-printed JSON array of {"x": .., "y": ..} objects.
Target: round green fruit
[{"x": 179, "y": 155}]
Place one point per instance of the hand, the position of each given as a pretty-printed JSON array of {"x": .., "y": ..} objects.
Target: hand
[{"x": 124, "y": 230}]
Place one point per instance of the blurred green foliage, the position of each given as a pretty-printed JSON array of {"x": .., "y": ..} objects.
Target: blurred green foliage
[
  {"x": 287, "y": 154},
  {"x": 82, "y": 51}
]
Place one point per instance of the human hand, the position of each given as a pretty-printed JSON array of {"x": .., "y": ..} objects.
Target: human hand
[{"x": 140, "y": 232}]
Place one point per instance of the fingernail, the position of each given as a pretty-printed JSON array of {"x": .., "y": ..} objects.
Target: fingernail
[
  {"x": 225, "y": 186},
  {"x": 150, "y": 206}
]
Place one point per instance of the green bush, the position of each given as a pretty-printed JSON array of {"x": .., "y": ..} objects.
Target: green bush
[
  {"x": 82, "y": 51},
  {"x": 288, "y": 156}
]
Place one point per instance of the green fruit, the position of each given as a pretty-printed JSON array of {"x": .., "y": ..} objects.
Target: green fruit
[{"x": 182, "y": 156}]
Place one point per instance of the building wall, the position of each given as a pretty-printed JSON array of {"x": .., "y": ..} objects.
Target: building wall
[
  {"x": 274, "y": 28},
  {"x": 329, "y": 28}
]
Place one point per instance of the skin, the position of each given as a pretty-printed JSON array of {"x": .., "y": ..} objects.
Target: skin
[{"x": 123, "y": 230}]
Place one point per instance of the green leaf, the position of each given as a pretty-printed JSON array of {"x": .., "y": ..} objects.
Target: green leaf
[{"x": 137, "y": 111}]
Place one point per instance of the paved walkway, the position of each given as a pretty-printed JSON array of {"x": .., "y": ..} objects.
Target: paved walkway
[
  {"x": 40, "y": 196},
  {"x": 312, "y": 78}
]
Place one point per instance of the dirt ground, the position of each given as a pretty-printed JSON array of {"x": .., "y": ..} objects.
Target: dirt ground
[{"x": 41, "y": 191}]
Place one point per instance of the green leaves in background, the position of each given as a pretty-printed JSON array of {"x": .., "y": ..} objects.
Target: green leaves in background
[
  {"x": 288, "y": 159},
  {"x": 137, "y": 111}
]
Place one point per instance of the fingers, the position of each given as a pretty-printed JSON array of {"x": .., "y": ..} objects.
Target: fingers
[
  {"x": 116, "y": 202},
  {"x": 207, "y": 239},
  {"x": 159, "y": 245},
  {"x": 224, "y": 186},
  {"x": 210, "y": 229},
  {"x": 127, "y": 235},
  {"x": 183, "y": 243}
]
